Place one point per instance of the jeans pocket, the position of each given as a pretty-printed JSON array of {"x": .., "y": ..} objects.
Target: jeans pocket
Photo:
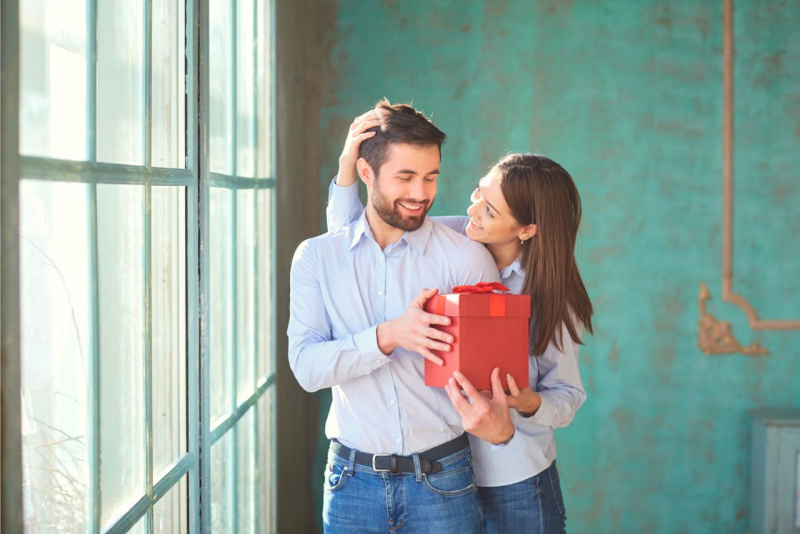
[
  {"x": 335, "y": 476},
  {"x": 451, "y": 483}
]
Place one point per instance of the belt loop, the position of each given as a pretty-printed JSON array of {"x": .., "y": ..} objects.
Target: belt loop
[
  {"x": 351, "y": 463},
  {"x": 417, "y": 468}
]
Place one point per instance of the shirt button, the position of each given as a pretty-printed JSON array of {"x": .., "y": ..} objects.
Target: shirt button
[
  {"x": 391, "y": 402},
  {"x": 380, "y": 293}
]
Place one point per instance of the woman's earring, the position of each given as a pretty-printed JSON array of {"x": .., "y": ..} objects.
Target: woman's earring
[{"x": 521, "y": 240}]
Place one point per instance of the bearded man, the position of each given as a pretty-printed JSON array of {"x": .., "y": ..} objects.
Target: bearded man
[{"x": 399, "y": 458}]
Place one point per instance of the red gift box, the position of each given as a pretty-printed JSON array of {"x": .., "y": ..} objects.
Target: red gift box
[{"x": 489, "y": 330}]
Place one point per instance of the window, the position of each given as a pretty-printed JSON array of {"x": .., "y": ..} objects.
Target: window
[{"x": 145, "y": 338}]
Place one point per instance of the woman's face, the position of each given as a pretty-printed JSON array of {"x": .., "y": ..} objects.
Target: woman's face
[{"x": 491, "y": 221}]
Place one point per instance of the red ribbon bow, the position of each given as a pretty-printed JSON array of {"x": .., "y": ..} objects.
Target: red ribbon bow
[{"x": 481, "y": 287}]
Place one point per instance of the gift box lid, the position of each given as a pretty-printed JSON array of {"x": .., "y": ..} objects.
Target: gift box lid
[{"x": 480, "y": 301}]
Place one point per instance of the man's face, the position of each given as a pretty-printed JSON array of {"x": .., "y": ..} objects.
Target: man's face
[{"x": 405, "y": 187}]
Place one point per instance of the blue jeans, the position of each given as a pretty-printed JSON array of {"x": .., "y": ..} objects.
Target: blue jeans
[
  {"x": 357, "y": 499},
  {"x": 534, "y": 505}
]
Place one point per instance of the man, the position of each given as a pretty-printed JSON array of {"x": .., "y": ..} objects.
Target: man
[{"x": 398, "y": 457}]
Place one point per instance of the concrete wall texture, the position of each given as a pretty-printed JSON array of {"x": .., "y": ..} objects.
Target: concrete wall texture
[{"x": 627, "y": 96}]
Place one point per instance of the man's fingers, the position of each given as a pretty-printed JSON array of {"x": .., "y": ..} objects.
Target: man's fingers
[
  {"x": 497, "y": 386},
  {"x": 435, "y": 345},
  {"x": 432, "y": 318},
  {"x": 512, "y": 385},
  {"x": 466, "y": 385},
  {"x": 436, "y": 334},
  {"x": 456, "y": 398},
  {"x": 428, "y": 355},
  {"x": 423, "y": 296}
]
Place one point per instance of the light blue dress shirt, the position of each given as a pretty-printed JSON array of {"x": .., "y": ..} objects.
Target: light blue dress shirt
[
  {"x": 342, "y": 286},
  {"x": 554, "y": 375}
]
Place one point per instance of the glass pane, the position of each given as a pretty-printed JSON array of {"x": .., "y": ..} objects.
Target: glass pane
[
  {"x": 57, "y": 334},
  {"x": 120, "y": 98},
  {"x": 220, "y": 87},
  {"x": 170, "y": 514},
  {"x": 264, "y": 89},
  {"x": 168, "y": 272},
  {"x": 53, "y": 78},
  {"x": 222, "y": 484},
  {"x": 245, "y": 294},
  {"x": 138, "y": 528},
  {"x": 221, "y": 301},
  {"x": 245, "y": 88},
  {"x": 120, "y": 254},
  {"x": 169, "y": 105},
  {"x": 246, "y": 478},
  {"x": 266, "y": 461},
  {"x": 265, "y": 288}
]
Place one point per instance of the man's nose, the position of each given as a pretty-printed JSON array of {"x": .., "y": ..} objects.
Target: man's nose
[{"x": 417, "y": 191}]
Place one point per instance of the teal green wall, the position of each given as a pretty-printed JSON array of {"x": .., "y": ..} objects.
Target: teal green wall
[{"x": 627, "y": 96}]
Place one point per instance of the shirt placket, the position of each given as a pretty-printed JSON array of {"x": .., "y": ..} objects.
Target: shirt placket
[{"x": 387, "y": 378}]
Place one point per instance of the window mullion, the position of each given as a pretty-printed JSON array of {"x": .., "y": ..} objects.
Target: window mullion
[
  {"x": 202, "y": 134},
  {"x": 94, "y": 501},
  {"x": 147, "y": 81},
  {"x": 148, "y": 348},
  {"x": 10, "y": 329},
  {"x": 233, "y": 453}
]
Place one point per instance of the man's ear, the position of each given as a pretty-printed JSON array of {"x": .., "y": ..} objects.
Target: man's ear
[
  {"x": 364, "y": 171},
  {"x": 528, "y": 232}
]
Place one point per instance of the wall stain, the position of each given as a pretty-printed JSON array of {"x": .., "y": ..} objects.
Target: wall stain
[{"x": 613, "y": 357}]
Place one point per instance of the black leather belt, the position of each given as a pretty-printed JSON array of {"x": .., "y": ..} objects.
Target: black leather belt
[{"x": 392, "y": 463}]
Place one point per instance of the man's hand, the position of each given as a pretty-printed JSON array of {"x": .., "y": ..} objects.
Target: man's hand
[
  {"x": 486, "y": 418},
  {"x": 355, "y": 135},
  {"x": 412, "y": 330}
]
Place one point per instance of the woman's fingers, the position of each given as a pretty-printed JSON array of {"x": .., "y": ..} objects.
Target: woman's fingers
[{"x": 513, "y": 389}]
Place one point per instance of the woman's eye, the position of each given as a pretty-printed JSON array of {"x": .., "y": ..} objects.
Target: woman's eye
[{"x": 489, "y": 212}]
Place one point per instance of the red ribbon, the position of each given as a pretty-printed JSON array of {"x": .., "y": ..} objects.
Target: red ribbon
[{"x": 481, "y": 287}]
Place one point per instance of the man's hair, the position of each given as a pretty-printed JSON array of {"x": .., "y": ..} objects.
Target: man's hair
[{"x": 400, "y": 123}]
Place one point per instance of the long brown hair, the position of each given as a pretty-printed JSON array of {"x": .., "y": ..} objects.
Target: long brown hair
[{"x": 539, "y": 191}]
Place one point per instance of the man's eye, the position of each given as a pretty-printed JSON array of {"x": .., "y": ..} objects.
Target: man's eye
[{"x": 430, "y": 179}]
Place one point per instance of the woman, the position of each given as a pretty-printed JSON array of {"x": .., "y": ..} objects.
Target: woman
[{"x": 526, "y": 211}]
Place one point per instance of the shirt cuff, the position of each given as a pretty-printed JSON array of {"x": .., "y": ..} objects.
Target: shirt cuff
[
  {"x": 366, "y": 343},
  {"x": 506, "y": 442},
  {"x": 546, "y": 413}
]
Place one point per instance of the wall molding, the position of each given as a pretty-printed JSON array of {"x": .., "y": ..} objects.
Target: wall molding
[
  {"x": 716, "y": 337},
  {"x": 728, "y": 293}
]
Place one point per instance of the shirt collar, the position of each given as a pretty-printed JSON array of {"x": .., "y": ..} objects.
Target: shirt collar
[
  {"x": 514, "y": 267},
  {"x": 417, "y": 239}
]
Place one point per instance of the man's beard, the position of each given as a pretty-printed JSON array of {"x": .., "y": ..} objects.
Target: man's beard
[{"x": 391, "y": 213}]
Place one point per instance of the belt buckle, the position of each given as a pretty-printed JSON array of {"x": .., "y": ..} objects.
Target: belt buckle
[{"x": 375, "y": 457}]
